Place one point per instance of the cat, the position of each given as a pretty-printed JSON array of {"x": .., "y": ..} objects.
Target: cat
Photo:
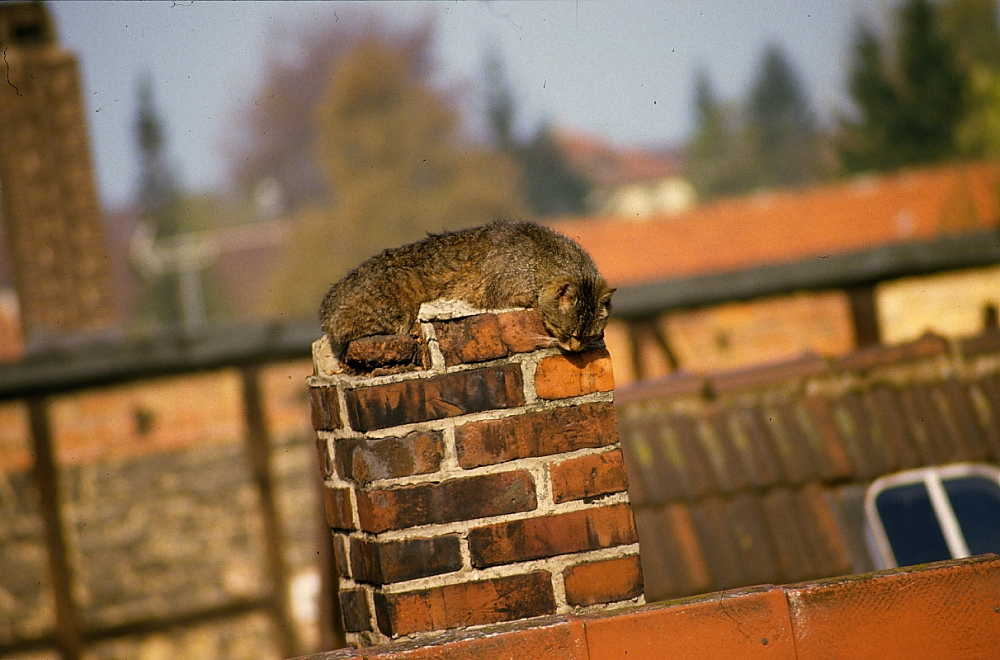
[{"x": 493, "y": 266}]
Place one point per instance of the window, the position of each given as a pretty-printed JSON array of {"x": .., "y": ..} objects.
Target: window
[{"x": 932, "y": 514}]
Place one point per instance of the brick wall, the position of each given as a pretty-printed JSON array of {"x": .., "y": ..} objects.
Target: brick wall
[
  {"x": 162, "y": 517},
  {"x": 472, "y": 478},
  {"x": 50, "y": 210}
]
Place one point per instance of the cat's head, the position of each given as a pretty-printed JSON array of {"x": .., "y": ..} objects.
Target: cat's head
[{"x": 576, "y": 311}]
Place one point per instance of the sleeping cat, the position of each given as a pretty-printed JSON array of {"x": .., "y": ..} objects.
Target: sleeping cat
[{"x": 502, "y": 264}]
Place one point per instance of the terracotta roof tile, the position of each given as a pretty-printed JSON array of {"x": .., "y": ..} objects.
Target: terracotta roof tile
[
  {"x": 986, "y": 342},
  {"x": 678, "y": 383},
  {"x": 985, "y": 394},
  {"x": 956, "y": 402},
  {"x": 817, "y": 416},
  {"x": 805, "y": 366},
  {"x": 887, "y": 412},
  {"x": 766, "y": 484},
  {"x": 722, "y": 554},
  {"x": 784, "y": 226},
  {"x": 873, "y": 357},
  {"x": 793, "y": 448}
]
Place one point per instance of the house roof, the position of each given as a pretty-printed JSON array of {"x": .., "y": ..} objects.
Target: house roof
[
  {"x": 758, "y": 475},
  {"x": 606, "y": 165},
  {"x": 738, "y": 233}
]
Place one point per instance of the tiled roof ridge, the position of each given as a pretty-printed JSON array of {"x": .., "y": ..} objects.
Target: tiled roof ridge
[
  {"x": 797, "y": 372},
  {"x": 786, "y": 226}
]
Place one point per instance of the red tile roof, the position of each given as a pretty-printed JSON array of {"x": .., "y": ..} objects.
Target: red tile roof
[
  {"x": 732, "y": 234},
  {"x": 761, "y": 480},
  {"x": 607, "y": 166}
]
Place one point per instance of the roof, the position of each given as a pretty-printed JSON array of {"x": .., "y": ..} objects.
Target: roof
[
  {"x": 608, "y": 166},
  {"x": 738, "y": 233},
  {"x": 941, "y": 611},
  {"x": 758, "y": 475}
]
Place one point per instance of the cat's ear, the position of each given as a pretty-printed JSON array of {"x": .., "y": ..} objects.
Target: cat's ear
[{"x": 566, "y": 294}]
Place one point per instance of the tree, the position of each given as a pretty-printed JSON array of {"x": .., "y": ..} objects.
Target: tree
[
  {"x": 159, "y": 203},
  {"x": 769, "y": 141},
  {"x": 909, "y": 108},
  {"x": 972, "y": 27},
  {"x": 399, "y": 164},
  {"x": 272, "y": 147},
  {"x": 549, "y": 185},
  {"x": 782, "y": 125}
]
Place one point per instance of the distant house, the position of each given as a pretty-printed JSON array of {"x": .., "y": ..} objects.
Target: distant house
[
  {"x": 631, "y": 182},
  {"x": 739, "y": 239}
]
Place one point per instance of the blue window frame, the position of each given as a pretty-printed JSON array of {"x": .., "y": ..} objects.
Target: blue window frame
[{"x": 932, "y": 514}]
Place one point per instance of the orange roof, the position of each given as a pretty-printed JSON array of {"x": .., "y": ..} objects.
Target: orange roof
[
  {"x": 732, "y": 234},
  {"x": 607, "y": 166}
]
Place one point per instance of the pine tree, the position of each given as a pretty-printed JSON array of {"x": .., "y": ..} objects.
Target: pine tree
[
  {"x": 782, "y": 125},
  {"x": 909, "y": 109},
  {"x": 159, "y": 204},
  {"x": 548, "y": 183}
]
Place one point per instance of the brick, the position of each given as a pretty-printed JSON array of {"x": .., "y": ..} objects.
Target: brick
[
  {"x": 468, "y": 604},
  {"x": 337, "y": 504},
  {"x": 522, "y": 331},
  {"x": 467, "y": 498},
  {"x": 574, "y": 374},
  {"x": 325, "y": 408},
  {"x": 366, "y": 459},
  {"x": 536, "y": 434},
  {"x": 369, "y": 353},
  {"x": 393, "y": 404},
  {"x": 354, "y": 610},
  {"x": 548, "y": 536},
  {"x": 385, "y": 562},
  {"x": 470, "y": 339},
  {"x": 322, "y": 453},
  {"x": 588, "y": 476},
  {"x": 340, "y": 556},
  {"x": 603, "y": 581}
]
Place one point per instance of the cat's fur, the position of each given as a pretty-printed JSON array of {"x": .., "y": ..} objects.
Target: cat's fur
[{"x": 494, "y": 266}]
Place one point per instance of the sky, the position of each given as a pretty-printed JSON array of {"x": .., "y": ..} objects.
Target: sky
[{"x": 622, "y": 70}]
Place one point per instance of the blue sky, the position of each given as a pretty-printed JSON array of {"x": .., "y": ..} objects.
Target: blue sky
[{"x": 623, "y": 69}]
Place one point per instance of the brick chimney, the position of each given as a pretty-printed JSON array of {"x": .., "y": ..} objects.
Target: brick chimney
[
  {"x": 48, "y": 198},
  {"x": 472, "y": 477}
]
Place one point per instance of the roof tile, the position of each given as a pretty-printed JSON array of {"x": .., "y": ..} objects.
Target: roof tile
[
  {"x": 678, "y": 383},
  {"x": 737, "y": 233},
  {"x": 955, "y": 400},
  {"x": 789, "y": 530},
  {"x": 807, "y": 365},
  {"x": 887, "y": 411},
  {"x": 986, "y": 342},
  {"x": 873, "y": 357},
  {"x": 985, "y": 395},
  {"x": 833, "y": 539},
  {"x": 722, "y": 554},
  {"x": 791, "y": 444},
  {"x": 817, "y": 416}
]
